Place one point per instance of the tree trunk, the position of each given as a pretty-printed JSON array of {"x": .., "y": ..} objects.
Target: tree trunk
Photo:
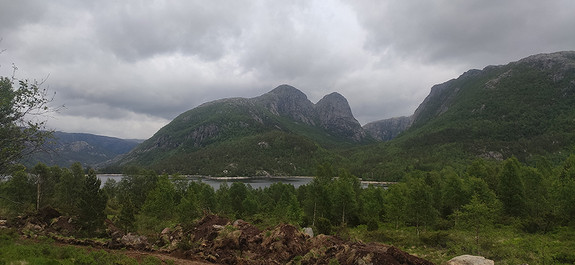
[
  {"x": 38, "y": 192},
  {"x": 314, "y": 209},
  {"x": 343, "y": 215}
]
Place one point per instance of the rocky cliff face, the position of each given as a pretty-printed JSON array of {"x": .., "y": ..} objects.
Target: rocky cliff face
[
  {"x": 335, "y": 116},
  {"x": 440, "y": 98},
  {"x": 554, "y": 68},
  {"x": 385, "y": 130},
  {"x": 289, "y": 102},
  {"x": 332, "y": 113}
]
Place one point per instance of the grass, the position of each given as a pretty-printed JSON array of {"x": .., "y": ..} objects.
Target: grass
[
  {"x": 15, "y": 250},
  {"x": 504, "y": 245}
]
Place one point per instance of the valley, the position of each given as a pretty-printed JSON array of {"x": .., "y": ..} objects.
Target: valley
[{"x": 484, "y": 166}]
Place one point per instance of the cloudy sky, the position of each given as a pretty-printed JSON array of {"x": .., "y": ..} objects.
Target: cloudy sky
[{"x": 126, "y": 68}]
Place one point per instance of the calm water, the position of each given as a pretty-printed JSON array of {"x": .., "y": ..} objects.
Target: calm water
[{"x": 215, "y": 183}]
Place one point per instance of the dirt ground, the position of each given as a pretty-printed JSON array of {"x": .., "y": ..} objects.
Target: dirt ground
[{"x": 217, "y": 240}]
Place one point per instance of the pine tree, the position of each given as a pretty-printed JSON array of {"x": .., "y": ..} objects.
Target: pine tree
[{"x": 92, "y": 203}]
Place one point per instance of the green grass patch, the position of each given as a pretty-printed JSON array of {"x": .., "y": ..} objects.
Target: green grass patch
[
  {"x": 504, "y": 245},
  {"x": 14, "y": 250}
]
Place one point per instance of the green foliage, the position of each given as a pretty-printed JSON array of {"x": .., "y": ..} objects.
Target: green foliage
[
  {"x": 18, "y": 194},
  {"x": 69, "y": 189},
  {"x": 20, "y": 135},
  {"x": 419, "y": 206},
  {"x": 522, "y": 109},
  {"x": 92, "y": 202},
  {"x": 476, "y": 215},
  {"x": 511, "y": 191}
]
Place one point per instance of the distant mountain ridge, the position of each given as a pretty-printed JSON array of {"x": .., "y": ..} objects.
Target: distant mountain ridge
[
  {"x": 90, "y": 150},
  {"x": 522, "y": 109}
]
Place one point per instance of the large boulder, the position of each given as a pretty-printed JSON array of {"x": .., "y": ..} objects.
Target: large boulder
[
  {"x": 136, "y": 242},
  {"x": 470, "y": 260}
]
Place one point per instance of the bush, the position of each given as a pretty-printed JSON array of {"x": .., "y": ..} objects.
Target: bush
[
  {"x": 435, "y": 239},
  {"x": 323, "y": 226},
  {"x": 372, "y": 225}
]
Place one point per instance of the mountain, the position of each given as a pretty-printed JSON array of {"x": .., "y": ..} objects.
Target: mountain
[
  {"x": 522, "y": 109},
  {"x": 385, "y": 130},
  {"x": 281, "y": 133},
  {"x": 88, "y": 149}
]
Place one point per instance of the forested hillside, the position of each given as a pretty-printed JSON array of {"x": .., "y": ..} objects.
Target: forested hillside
[
  {"x": 278, "y": 133},
  {"x": 522, "y": 109}
]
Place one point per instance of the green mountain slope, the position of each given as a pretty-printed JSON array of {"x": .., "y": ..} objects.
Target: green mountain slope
[
  {"x": 278, "y": 133},
  {"x": 524, "y": 109}
]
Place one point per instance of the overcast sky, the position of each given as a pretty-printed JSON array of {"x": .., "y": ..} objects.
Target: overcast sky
[{"x": 127, "y": 68}]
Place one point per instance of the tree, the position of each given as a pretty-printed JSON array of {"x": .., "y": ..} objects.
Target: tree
[
  {"x": 511, "y": 189},
  {"x": 396, "y": 204},
  {"x": 18, "y": 193},
  {"x": 161, "y": 201},
  {"x": 453, "y": 193},
  {"x": 420, "y": 210},
  {"x": 317, "y": 203},
  {"x": 92, "y": 203},
  {"x": 371, "y": 206},
  {"x": 68, "y": 189},
  {"x": 476, "y": 215},
  {"x": 345, "y": 191},
  {"x": 22, "y": 131},
  {"x": 45, "y": 185}
]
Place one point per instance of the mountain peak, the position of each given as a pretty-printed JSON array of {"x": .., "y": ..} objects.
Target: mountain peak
[
  {"x": 286, "y": 100},
  {"x": 335, "y": 115},
  {"x": 287, "y": 90}
]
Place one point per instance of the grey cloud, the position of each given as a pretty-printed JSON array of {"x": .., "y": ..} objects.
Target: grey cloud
[
  {"x": 114, "y": 63},
  {"x": 481, "y": 31},
  {"x": 136, "y": 31}
]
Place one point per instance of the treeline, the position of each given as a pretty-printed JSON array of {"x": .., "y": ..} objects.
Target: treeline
[
  {"x": 485, "y": 193},
  {"x": 73, "y": 191}
]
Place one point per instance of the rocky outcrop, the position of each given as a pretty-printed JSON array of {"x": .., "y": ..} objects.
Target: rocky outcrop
[
  {"x": 470, "y": 260},
  {"x": 332, "y": 113},
  {"x": 440, "y": 99},
  {"x": 289, "y": 102},
  {"x": 335, "y": 116},
  {"x": 220, "y": 240},
  {"x": 385, "y": 130}
]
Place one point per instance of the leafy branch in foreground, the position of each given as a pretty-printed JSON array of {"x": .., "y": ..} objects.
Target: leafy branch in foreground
[{"x": 24, "y": 106}]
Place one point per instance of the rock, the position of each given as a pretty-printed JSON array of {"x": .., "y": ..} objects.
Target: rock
[
  {"x": 113, "y": 231},
  {"x": 470, "y": 260},
  {"x": 308, "y": 231},
  {"x": 32, "y": 228},
  {"x": 171, "y": 238},
  {"x": 135, "y": 241},
  {"x": 335, "y": 116},
  {"x": 289, "y": 102},
  {"x": 385, "y": 130},
  {"x": 47, "y": 213},
  {"x": 63, "y": 225}
]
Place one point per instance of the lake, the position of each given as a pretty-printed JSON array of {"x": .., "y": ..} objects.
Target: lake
[
  {"x": 216, "y": 182},
  {"x": 255, "y": 182}
]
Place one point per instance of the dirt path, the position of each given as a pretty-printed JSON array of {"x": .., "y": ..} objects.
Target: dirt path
[{"x": 140, "y": 255}]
